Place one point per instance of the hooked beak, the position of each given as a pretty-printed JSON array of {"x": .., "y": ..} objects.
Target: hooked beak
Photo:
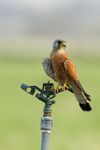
[{"x": 63, "y": 44}]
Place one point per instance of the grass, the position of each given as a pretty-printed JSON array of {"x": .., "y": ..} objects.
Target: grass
[{"x": 20, "y": 113}]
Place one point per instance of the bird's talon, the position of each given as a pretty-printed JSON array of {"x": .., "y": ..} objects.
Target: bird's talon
[
  {"x": 64, "y": 87},
  {"x": 57, "y": 89}
]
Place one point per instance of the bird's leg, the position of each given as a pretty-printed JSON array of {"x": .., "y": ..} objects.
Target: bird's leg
[
  {"x": 64, "y": 87},
  {"x": 57, "y": 88}
]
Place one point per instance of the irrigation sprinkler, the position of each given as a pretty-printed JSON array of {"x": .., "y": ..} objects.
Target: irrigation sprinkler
[{"x": 45, "y": 95}]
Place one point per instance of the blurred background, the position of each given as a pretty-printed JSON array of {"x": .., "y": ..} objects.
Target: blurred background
[{"x": 27, "y": 31}]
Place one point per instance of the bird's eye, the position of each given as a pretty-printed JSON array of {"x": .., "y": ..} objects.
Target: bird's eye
[{"x": 59, "y": 42}]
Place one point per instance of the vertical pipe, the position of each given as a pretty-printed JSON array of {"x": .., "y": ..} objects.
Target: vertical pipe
[
  {"x": 46, "y": 125},
  {"x": 45, "y": 140}
]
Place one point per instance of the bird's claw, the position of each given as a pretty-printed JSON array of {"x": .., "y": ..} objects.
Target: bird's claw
[
  {"x": 57, "y": 89},
  {"x": 64, "y": 87}
]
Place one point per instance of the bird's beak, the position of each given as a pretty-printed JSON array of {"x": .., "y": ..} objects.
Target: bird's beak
[{"x": 63, "y": 44}]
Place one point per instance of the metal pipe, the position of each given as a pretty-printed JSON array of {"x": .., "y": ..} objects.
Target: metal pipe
[{"x": 46, "y": 125}]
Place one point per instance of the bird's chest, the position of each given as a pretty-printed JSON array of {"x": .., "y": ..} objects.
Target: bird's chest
[
  {"x": 58, "y": 57},
  {"x": 58, "y": 66},
  {"x": 58, "y": 60}
]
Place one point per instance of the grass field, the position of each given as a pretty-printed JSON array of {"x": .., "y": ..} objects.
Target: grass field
[{"x": 20, "y": 113}]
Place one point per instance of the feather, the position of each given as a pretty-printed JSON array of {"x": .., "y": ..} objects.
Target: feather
[
  {"x": 71, "y": 71},
  {"x": 48, "y": 68},
  {"x": 78, "y": 89}
]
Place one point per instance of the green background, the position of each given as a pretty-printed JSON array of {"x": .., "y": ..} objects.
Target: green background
[{"x": 20, "y": 113}]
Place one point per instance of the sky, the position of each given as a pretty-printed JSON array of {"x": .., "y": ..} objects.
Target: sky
[
  {"x": 49, "y": 15},
  {"x": 41, "y": 4},
  {"x": 46, "y": 4},
  {"x": 76, "y": 20}
]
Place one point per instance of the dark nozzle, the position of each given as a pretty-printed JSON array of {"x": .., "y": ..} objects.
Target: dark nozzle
[{"x": 24, "y": 87}]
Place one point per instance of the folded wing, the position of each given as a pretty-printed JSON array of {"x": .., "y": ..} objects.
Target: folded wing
[
  {"x": 79, "y": 92},
  {"x": 48, "y": 68}
]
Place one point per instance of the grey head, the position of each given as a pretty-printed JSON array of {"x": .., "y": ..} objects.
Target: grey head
[{"x": 59, "y": 44}]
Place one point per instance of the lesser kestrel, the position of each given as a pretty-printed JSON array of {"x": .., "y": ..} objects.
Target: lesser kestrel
[{"x": 61, "y": 69}]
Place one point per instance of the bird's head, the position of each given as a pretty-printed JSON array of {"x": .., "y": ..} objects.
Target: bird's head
[{"x": 59, "y": 44}]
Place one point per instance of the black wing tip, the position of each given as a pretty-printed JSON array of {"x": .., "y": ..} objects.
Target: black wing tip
[{"x": 85, "y": 107}]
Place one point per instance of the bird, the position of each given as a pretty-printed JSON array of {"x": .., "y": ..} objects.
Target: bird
[{"x": 61, "y": 69}]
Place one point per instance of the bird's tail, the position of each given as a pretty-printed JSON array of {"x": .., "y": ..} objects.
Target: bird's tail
[
  {"x": 85, "y": 107},
  {"x": 82, "y": 99},
  {"x": 81, "y": 96}
]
